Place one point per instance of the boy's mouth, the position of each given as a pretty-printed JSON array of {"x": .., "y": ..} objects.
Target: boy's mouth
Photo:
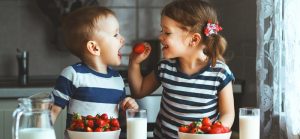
[{"x": 119, "y": 54}]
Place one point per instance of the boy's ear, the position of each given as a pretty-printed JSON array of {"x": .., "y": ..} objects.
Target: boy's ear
[
  {"x": 93, "y": 48},
  {"x": 196, "y": 39}
]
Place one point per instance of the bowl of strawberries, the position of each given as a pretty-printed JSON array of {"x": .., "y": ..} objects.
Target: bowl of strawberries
[
  {"x": 94, "y": 127},
  {"x": 204, "y": 129}
]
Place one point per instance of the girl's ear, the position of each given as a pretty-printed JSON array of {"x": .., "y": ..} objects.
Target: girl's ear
[
  {"x": 195, "y": 40},
  {"x": 93, "y": 48}
]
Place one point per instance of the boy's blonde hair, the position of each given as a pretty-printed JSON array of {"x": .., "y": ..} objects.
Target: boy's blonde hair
[
  {"x": 79, "y": 26},
  {"x": 194, "y": 15}
]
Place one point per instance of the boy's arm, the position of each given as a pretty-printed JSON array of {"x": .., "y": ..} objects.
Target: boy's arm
[
  {"x": 226, "y": 105},
  {"x": 55, "y": 111}
]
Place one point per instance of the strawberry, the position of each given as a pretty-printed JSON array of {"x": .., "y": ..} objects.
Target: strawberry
[
  {"x": 104, "y": 116},
  {"x": 196, "y": 130},
  {"x": 99, "y": 129},
  {"x": 100, "y": 122},
  {"x": 139, "y": 48},
  {"x": 89, "y": 117},
  {"x": 205, "y": 128},
  {"x": 89, "y": 129},
  {"x": 206, "y": 121},
  {"x": 114, "y": 122},
  {"x": 114, "y": 128},
  {"x": 89, "y": 123},
  {"x": 184, "y": 128}
]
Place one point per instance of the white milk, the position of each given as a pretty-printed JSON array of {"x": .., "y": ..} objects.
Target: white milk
[
  {"x": 36, "y": 133},
  {"x": 249, "y": 127},
  {"x": 136, "y": 128}
]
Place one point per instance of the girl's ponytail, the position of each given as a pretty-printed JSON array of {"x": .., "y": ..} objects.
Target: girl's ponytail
[{"x": 215, "y": 48}]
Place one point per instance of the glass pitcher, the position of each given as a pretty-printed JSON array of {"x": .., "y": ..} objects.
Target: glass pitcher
[{"x": 32, "y": 120}]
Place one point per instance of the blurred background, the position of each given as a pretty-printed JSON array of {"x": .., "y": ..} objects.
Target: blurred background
[{"x": 35, "y": 26}]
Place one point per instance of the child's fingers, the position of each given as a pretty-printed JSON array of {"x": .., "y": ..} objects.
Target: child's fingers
[
  {"x": 130, "y": 104},
  {"x": 124, "y": 102}
]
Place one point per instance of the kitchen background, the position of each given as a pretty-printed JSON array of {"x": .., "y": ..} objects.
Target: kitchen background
[
  {"x": 34, "y": 26},
  {"x": 25, "y": 24}
]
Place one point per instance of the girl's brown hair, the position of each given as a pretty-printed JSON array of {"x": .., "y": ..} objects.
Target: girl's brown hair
[
  {"x": 194, "y": 16},
  {"x": 79, "y": 26}
]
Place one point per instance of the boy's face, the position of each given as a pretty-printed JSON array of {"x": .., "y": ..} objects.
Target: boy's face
[{"x": 109, "y": 40}]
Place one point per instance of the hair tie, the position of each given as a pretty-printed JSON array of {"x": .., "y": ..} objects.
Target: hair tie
[{"x": 211, "y": 28}]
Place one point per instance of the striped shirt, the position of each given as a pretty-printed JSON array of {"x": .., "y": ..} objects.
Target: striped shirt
[
  {"x": 88, "y": 92},
  {"x": 187, "y": 98}
]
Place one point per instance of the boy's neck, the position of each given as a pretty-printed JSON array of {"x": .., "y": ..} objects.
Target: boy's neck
[{"x": 98, "y": 67}]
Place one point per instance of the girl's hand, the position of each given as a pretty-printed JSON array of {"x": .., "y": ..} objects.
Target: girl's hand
[
  {"x": 137, "y": 58},
  {"x": 129, "y": 103}
]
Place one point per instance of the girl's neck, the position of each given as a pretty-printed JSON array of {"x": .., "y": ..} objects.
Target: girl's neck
[{"x": 192, "y": 64}]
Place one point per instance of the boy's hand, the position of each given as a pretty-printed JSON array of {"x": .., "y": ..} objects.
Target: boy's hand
[
  {"x": 137, "y": 58},
  {"x": 129, "y": 103}
]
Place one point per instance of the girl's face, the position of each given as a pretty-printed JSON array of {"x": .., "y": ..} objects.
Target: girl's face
[
  {"x": 174, "y": 39},
  {"x": 109, "y": 40}
]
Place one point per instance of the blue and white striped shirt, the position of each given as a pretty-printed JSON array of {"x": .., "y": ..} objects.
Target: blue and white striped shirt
[
  {"x": 88, "y": 92},
  {"x": 187, "y": 98}
]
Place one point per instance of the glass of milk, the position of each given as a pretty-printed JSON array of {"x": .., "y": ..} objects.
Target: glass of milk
[
  {"x": 249, "y": 123},
  {"x": 136, "y": 124}
]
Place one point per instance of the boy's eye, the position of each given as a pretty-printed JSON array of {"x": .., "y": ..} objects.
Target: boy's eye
[{"x": 116, "y": 35}]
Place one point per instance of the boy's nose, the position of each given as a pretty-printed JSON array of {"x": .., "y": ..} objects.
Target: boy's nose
[{"x": 122, "y": 40}]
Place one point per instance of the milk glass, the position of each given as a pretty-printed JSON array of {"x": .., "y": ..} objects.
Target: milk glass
[
  {"x": 136, "y": 124},
  {"x": 249, "y": 123}
]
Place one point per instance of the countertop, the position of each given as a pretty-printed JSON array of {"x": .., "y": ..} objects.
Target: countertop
[{"x": 10, "y": 88}]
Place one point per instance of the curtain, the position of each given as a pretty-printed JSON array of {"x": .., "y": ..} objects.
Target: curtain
[{"x": 278, "y": 68}]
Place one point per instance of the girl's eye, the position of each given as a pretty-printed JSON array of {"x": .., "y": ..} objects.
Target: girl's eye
[{"x": 166, "y": 33}]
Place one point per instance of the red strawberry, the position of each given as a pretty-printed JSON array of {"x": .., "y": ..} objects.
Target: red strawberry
[
  {"x": 184, "y": 128},
  {"x": 99, "y": 129},
  {"x": 101, "y": 122},
  {"x": 79, "y": 125},
  {"x": 205, "y": 128},
  {"x": 114, "y": 122},
  {"x": 206, "y": 121},
  {"x": 104, "y": 116},
  {"x": 89, "y": 117},
  {"x": 196, "y": 130},
  {"x": 88, "y": 129},
  {"x": 139, "y": 48},
  {"x": 114, "y": 128},
  {"x": 89, "y": 123}
]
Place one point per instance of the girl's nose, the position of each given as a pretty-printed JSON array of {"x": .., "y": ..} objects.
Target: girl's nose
[{"x": 160, "y": 37}]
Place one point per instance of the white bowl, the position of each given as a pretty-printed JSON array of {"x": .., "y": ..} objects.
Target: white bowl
[
  {"x": 204, "y": 136},
  {"x": 94, "y": 135}
]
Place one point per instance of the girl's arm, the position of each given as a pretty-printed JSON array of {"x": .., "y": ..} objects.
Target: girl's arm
[
  {"x": 141, "y": 86},
  {"x": 226, "y": 105}
]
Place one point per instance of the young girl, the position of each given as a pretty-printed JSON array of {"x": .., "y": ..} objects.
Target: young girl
[{"x": 195, "y": 79}]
